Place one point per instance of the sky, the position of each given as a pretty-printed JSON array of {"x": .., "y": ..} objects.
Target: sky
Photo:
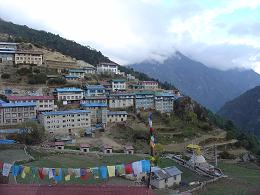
[{"x": 223, "y": 34}]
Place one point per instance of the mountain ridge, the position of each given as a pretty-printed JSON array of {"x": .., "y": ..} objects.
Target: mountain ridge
[{"x": 209, "y": 86}]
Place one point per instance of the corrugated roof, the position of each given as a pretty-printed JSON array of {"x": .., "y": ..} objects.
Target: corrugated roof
[
  {"x": 8, "y": 43},
  {"x": 65, "y": 112},
  {"x": 20, "y": 104},
  {"x": 172, "y": 171},
  {"x": 15, "y": 98},
  {"x": 118, "y": 80},
  {"x": 84, "y": 145},
  {"x": 71, "y": 76},
  {"x": 116, "y": 113},
  {"x": 95, "y": 87},
  {"x": 94, "y": 105},
  {"x": 29, "y": 52},
  {"x": 59, "y": 143},
  {"x": 72, "y": 89},
  {"x": 30, "y": 189},
  {"x": 77, "y": 70}
]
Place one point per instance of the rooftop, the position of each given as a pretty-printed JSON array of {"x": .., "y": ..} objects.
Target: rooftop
[
  {"x": 20, "y": 104},
  {"x": 107, "y": 64},
  {"x": 117, "y": 113},
  {"x": 77, "y": 70},
  {"x": 84, "y": 145},
  {"x": 94, "y": 105},
  {"x": 163, "y": 94},
  {"x": 14, "y": 98},
  {"x": 95, "y": 87},
  {"x": 59, "y": 144},
  {"x": 65, "y": 112},
  {"x": 31, "y": 189},
  {"x": 95, "y": 97},
  {"x": 29, "y": 52},
  {"x": 72, "y": 89},
  {"x": 71, "y": 76},
  {"x": 118, "y": 80},
  {"x": 8, "y": 43}
]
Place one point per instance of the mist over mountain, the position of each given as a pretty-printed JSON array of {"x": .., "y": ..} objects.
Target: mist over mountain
[{"x": 209, "y": 86}]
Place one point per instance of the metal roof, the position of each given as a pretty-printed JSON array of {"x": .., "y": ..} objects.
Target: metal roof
[
  {"x": 65, "y": 112},
  {"x": 172, "y": 171},
  {"x": 19, "y": 104},
  {"x": 14, "y": 98},
  {"x": 31, "y": 189},
  {"x": 13, "y": 130},
  {"x": 7, "y": 51},
  {"x": 117, "y": 113},
  {"x": 118, "y": 80},
  {"x": 95, "y": 87},
  {"x": 163, "y": 94},
  {"x": 71, "y": 76},
  {"x": 77, "y": 70},
  {"x": 94, "y": 105},
  {"x": 66, "y": 89},
  {"x": 8, "y": 43}
]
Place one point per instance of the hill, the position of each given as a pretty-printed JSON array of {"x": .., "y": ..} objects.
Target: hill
[
  {"x": 244, "y": 111},
  {"x": 209, "y": 86}
]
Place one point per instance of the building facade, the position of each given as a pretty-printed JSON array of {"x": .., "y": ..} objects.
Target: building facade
[
  {"x": 94, "y": 90},
  {"x": 98, "y": 112},
  {"x": 116, "y": 116},
  {"x": 120, "y": 100},
  {"x": 29, "y": 57},
  {"x": 65, "y": 121},
  {"x": 94, "y": 99},
  {"x": 164, "y": 102},
  {"x": 144, "y": 100},
  {"x": 16, "y": 113},
  {"x": 7, "y": 51},
  {"x": 118, "y": 85},
  {"x": 43, "y": 103},
  {"x": 77, "y": 72},
  {"x": 107, "y": 68},
  {"x": 68, "y": 95},
  {"x": 149, "y": 85}
]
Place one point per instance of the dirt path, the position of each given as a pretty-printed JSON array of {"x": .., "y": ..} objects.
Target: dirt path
[{"x": 180, "y": 147}]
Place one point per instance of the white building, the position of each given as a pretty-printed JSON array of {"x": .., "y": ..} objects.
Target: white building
[
  {"x": 65, "y": 121},
  {"x": 164, "y": 102},
  {"x": 116, "y": 116},
  {"x": 149, "y": 85},
  {"x": 68, "y": 95},
  {"x": 166, "y": 177},
  {"x": 28, "y": 57},
  {"x": 120, "y": 100},
  {"x": 118, "y": 85},
  {"x": 43, "y": 103},
  {"x": 107, "y": 68},
  {"x": 144, "y": 100}
]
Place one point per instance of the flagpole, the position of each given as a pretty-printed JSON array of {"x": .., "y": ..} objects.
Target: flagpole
[{"x": 151, "y": 142}]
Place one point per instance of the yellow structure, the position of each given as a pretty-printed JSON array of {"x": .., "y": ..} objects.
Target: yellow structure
[{"x": 194, "y": 148}]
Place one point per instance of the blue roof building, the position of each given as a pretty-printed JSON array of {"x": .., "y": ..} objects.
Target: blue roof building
[
  {"x": 68, "y": 90},
  {"x": 20, "y": 104},
  {"x": 65, "y": 112},
  {"x": 95, "y": 90}
]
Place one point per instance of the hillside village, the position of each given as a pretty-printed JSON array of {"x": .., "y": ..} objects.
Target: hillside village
[{"x": 98, "y": 109}]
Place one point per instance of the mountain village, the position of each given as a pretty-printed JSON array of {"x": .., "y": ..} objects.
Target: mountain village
[{"x": 81, "y": 113}]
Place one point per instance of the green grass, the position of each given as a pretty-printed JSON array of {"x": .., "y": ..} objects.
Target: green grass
[
  {"x": 242, "y": 180},
  {"x": 75, "y": 161}
]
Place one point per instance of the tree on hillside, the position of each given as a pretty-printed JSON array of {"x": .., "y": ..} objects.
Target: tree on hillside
[{"x": 33, "y": 134}]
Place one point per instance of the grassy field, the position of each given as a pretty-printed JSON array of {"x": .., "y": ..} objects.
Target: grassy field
[
  {"x": 76, "y": 161},
  {"x": 242, "y": 180}
]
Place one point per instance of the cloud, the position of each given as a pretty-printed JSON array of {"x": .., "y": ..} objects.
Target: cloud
[{"x": 132, "y": 31}]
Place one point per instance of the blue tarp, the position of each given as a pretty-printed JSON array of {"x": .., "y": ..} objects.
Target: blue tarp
[{"x": 7, "y": 141}]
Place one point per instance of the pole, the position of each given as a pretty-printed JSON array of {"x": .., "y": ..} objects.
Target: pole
[
  {"x": 215, "y": 155},
  {"x": 151, "y": 142}
]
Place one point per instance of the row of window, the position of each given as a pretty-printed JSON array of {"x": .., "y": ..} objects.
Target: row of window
[
  {"x": 28, "y": 58},
  {"x": 68, "y": 125},
  {"x": 68, "y": 120},
  {"x": 70, "y": 97},
  {"x": 41, "y": 101},
  {"x": 20, "y": 109},
  {"x": 25, "y": 114},
  {"x": 68, "y": 115}
]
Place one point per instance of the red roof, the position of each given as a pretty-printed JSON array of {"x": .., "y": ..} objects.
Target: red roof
[
  {"x": 84, "y": 145},
  {"x": 106, "y": 146},
  {"x": 26, "y": 189},
  {"x": 129, "y": 147},
  {"x": 59, "y": 143},
  {"x": 15, "y": 98}
]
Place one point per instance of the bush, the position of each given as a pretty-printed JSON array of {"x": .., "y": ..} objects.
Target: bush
[
  {"x": 24, "y": 71},
  {"x": 40, "y": 78},
  {"x": 33, "y": 135},
  {"x": 57, "y": 81},
  {"x": 5, "y": 76},
  {"x": 226, "y": 155}
]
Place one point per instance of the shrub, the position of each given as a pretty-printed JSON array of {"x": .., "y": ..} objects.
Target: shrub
[
  {"x": 57, "y": 81},
  {"x": 24, "y": 71},
  {"x": 40, "y": 78},
  {"x": 226, "y": 155},
  {"x": 5, "y": 76}
]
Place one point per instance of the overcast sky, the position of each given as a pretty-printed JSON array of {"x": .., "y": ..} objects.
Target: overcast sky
[{"x": 220, "y": 33}]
